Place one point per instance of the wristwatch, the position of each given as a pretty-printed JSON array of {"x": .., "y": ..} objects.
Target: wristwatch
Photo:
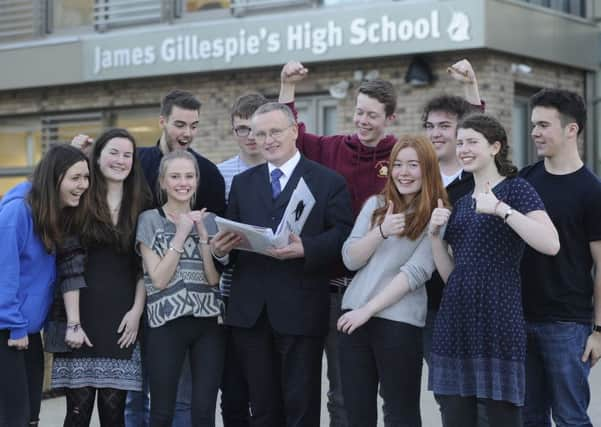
[{"x": 596, "y": 328}]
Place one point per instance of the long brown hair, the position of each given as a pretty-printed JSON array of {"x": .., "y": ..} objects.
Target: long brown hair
[
  {"x": 419, "y": 209},
  {"x": 98, "y": 227},
  {"x": 50, "y": 220}
]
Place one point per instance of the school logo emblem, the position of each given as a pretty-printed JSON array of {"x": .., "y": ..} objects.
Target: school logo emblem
[
  {"x": 382, "y": 168},
  {"x": 459, "y": 28}
]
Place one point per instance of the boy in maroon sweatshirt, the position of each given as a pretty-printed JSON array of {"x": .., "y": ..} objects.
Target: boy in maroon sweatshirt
[{"x": 362, "y": 158}]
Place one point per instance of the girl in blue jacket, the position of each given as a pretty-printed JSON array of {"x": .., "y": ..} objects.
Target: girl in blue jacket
[{"x": 33, "y": 216}]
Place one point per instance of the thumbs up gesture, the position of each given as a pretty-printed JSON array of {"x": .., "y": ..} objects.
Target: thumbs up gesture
[
  {"x": 440, "y": 217},
  {"x": 486, "y": 202},
  {"x": 393, "y": 223}
]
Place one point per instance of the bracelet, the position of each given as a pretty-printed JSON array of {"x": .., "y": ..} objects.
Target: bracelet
[
  {"x": 173, "y": 248},
  {"x": 381, "y": 232}
]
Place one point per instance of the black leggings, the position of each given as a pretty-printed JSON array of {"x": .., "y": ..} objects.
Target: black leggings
[
  {"x": 166, "y": 347},
  {"x": 21, "y": 378},
  {"x": 80, "y": 404},
  {"x": 458, "y": 411}
]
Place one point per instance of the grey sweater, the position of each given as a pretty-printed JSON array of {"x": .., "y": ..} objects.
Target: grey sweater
[{"x": 393, "y": 255}]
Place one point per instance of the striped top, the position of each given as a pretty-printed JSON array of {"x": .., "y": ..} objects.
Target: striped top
[
  {"x": 229, "y": 168},
  {"x": 188, "y": 293}
]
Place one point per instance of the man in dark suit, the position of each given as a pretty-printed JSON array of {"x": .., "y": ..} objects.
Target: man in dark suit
[{"x": 279, "y": 304}]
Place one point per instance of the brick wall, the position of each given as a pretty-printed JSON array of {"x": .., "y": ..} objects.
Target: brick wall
[{"x": 217, "y": 91}]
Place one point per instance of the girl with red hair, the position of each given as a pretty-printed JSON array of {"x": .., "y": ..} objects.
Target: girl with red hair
[{"x": 385, "y": 304}]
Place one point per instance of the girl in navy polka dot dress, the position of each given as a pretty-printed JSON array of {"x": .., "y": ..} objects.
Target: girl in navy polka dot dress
[{"x": 479, "y": 342}]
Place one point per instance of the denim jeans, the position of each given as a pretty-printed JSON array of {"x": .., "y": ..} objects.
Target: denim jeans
[
  {"x": 137, "y": 405},
  {"x": 338, "y": 417},
  {"x": 556, "y": 378}
]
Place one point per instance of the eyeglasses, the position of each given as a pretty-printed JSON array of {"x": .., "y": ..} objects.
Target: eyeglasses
[
  {"x": 272, "y": 133},
  {"x": 242, "y": 131}
]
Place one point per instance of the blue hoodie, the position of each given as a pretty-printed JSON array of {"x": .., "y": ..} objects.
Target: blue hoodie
[{"x": 28, "y": 271}]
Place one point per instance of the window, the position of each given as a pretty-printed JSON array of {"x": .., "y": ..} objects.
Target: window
[
  {"x": 188, "y": 6},
  {"x": 62, "y": 129},
  {"x": 142, "y": 123},
  {"x": 122, "y": 13},
  {"x": 8, "y": 182},
  {"x": 20, "y": 150},
  {"x": 23, "y": 141},
  {"x": 337, "y": 2},
  {"x": 523, "y": 151},
  {"x": 242, "y": 7},
  {"x": 21, "y": 19},
  {"x": 67, "y": 14},
  {"x": 572, "y": 7},
  {"x": 318, "y": 113}
]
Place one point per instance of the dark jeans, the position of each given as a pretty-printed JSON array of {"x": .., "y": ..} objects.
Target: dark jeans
[
  {"x": 166, "y": 347},
  {"x": 385, "y": 353},
  {"x": 21, "y": 378},
  {"x": 284, "y": 375},
  {"x": 459, "y": 411},
  {"x": 137, "y": 403},
  {"x": 556, "y": 378}
]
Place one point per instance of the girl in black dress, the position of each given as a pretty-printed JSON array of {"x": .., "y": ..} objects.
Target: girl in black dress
[{"x": 102, "y": 289}]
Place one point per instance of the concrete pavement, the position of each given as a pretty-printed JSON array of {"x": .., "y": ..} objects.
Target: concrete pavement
[{"x": 53, "y": 410}]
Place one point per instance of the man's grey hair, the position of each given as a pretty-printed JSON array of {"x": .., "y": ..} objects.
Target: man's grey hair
[{"x": 276, "y": 106}]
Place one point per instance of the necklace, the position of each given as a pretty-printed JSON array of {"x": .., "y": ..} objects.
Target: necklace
[{"x": 490, "y": 185}]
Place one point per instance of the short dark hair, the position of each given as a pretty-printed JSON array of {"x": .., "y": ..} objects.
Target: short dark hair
[
  {"x": 449, "y": 104},
  {"x": 569, "y": 105},
  {"x": 493, "y": 131},
  {"x": 246, "y": 105},
  {"x": 180, "y": 98},
  {"x": 381, "y": 90}
]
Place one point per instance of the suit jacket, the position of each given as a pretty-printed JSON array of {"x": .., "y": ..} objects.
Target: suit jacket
[{"x": 294, "y": 292}]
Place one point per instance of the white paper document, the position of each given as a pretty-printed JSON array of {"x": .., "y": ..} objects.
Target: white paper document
[{"x": 261, "y": 239}]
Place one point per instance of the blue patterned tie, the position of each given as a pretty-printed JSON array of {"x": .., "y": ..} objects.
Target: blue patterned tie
[{"x": 276, "y": 189}]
